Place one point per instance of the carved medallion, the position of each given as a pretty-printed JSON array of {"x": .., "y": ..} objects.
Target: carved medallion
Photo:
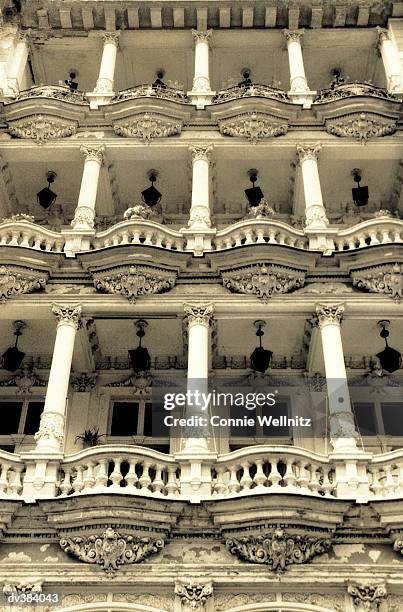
[
  {"x": 42, "y": 128},
  {"x": 13, "y": 283},
  {"x": 147, "y": 126},
  {"x": 381, "y": 279},
  {"x": 263, "y": 280},
  {"x": 361, "y": 126},
  {"x": 253, "y": 126},
  {"x": 111, "y": 549},
  {"x": 134, "y": 281},
  {"x": 278, "y": 549}
]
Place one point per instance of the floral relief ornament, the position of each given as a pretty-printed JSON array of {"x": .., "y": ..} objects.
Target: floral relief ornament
[
  {"x": 264, "y": 281},
  {"x": 361, "y": 126},
  {"x": 66, "y": 314},
  {"x": 133, "y": 281},
  {"x": 253, "y": 126},
  {"x": 111, "y": 549},
  {"x": 193, "y": 596},
  {"x": 382, "y": 279},
  {"x": 148, "y": 126},
  {"x": 42, "y": 128},
  {"x": 13, "y": 283},
  {"x": 367, "y": 597},
  {"x": 24, "y": 379}
]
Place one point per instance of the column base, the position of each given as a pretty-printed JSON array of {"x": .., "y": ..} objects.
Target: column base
[
  {"x": 77, "y": 240},
  {"x": 41, "y": 476},
  {"x": 97, "y": 99},
  {"x": 320, "y": 239},
  {"x": 201, "y": 98},
  {"x": 196, "y": 480},
  {"x": 303, "y": 97},
  {"x": 198, "y": 241}
]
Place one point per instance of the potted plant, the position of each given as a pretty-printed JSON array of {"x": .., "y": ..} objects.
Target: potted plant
[{"x": 90, "y": 437}]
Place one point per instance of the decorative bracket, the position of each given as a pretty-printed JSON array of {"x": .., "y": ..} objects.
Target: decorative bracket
[
  {"x": 133, "y": 281},
  {"x": 16, "y": 282},
  {"x": 264, "y": 280},
  {"x": 381, "y": 279}
]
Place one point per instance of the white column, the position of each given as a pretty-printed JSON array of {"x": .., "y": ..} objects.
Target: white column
[
  {"x": 85, "y": 211},
  {"x": 198, "y": 319},
  {"x": 390, "y": 58},
  {"x": 17, "y": 65},
  {"x": 343, "y": 432},
  {"x": 315, "y": 212},
  {"x": 50, "y": 436},
  {"x": 299, "y": 89},
  {"x": 201, "y": 93},
  {"x": 103, "y": 91},
  {"x": 200, "y": 204}
]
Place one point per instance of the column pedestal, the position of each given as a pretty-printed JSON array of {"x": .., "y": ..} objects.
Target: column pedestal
[{"x": 201, "y": 93}]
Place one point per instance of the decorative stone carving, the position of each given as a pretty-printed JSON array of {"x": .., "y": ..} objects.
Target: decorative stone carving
[
  {"x": 55, "y": 92},
  {"x": 42, "y": 128},
  {"x": 24, "y": 380},
  {"x": 308, "y": 151},
  {"x": 225, "y": 601},
  {"x": 293, "y": 35},
  {"x": 133, "y": 281},
  {"x": 324, "y": 600},
  {"x": 398, "y": 544},
  {"x": 263, "y": 280},
  {"x": 329, "y": 314},
  {"x": 361, "y": 126},
  {"x": 19, "y": 217},
  {"x": 193, "y": 596},
  {"x": 253, "y": 126},
  {"x": 199, "y": 314},
  {"x": 387, "y": 280},
  {"x": 316, "y": 382},
  {"x": 84, "y": 382},
  {"x": 66, "y": 314},
  {"x": 349, "y": 90},
  {"x": 278, "y": 549},
  {"x": 32, "y": 585},
  {"x": 51, "y": 427},
  {"x": 147, "y": 126},
  {"x": 140, "y": 383},
  {"x": 93, "y": 153},
  {"x": 13, "y": 282},
  {"x": 139, "y": 211},
  {"x": 201, "y": 152},
  {"x": 367, "y": 598},
  {"x": 321, "y": 288},
  {"x": 83, "y": 218},
  {"x": 111, "y": 549},
  {"x": 261, "y": 211},
  {"x": 163, "y": 602}
]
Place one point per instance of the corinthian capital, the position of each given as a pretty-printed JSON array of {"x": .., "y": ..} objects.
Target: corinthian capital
[
  {"x": 329, "y": 314},
  {"x": 200, "y": 36},
  {"x": 382, "y": 35},
  {"x": 111, "y": 37},
  {"x": 199, "y": 314},
  {"x": 201, "y": 152},
  {"x": 293, "y": 35},
  {"x": 308, "y": 151},
  {"x": 93, "y": 153},
  {"x": 68, "y": 314},
  {"x": 367, "y": 596}
]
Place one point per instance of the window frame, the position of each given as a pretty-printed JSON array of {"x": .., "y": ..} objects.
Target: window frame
[
  {"x": 25, "y": 399},
  {"x": 139, "y": 437}
]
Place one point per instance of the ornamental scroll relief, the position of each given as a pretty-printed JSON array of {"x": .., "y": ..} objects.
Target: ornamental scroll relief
[
  {"x": 133, "y": 281},
  {"x": 253, "y": 126},
  {"x": 264, "y": 280},
  {"x": 14, "y": 281},
  {"x": 387, "y": 280},
  {"x": 148, "y": 126}
]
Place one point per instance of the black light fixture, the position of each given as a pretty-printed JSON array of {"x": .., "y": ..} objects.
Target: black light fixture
[
  {"x": 140, "y": 357},
  {"x": 46, "y": 196},
  {"x": 151, "y": 196},
  {"x": 390, "y": 359},
  {"x": 254, "y": 194},
  {"x": 337, "y": 78},
  {"x": 70, "y": 82},
  {"x": 158, "y": 81},
  {"x": 12, "y": 358},
  {"x": 247, "y": 81},
  {"x": 360, "y": 194},
  {"x": 260, "y": 358}
]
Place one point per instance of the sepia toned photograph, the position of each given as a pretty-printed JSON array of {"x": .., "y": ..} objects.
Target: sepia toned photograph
[{"x": 201, "y": 306}]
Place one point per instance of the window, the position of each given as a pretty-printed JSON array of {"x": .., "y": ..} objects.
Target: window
[
  {"x": 135, "y": 419},
  {"x": 20, "y": 416},
  {"x": 365, "y": 418},
  {"x": 392, "y": 416},
  {"x": 379, "y": 418},
  {"x": 261, "y": 433}
]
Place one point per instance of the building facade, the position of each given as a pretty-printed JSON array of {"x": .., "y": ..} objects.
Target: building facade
[{"x": 180, "y": 182}]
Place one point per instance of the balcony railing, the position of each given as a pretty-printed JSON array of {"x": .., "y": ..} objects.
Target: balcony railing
[
  {"x": 148, "y": 91},
  {"x": 254, "y": 90},
  {"x": 140, "y": 231},
  {"x": 24, "y": 233},
  {"x": 382, "y": 230},
  {"x": 11, "y": 473},
  {"x": 56, "y": 92},
  {"x": 259, "y": 232},
  {"x": 350, "y": 90}
]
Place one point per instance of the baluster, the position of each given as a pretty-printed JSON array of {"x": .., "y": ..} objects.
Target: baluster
[
  {"x": 116, "y": 476},
  {"x": 233, "y": 484},
  {"x": 272, "y": 236},
  {"x": 361, "y": 238},
  {"x": 145, "y": 480},
  {"x": 158, "y": 239},
  {"x": 219, "y": 486},
  {"x": 65, "y": 485},
  {"x": 389, "y": 483},
  {"x": 260, "y": 236},
  {"x": 14, "y": 238},
  {"x": 116, "y": 240},
  {"x": 16, "y": 484},
  {"x": 375, "y": 485},
  {"x": 148, "y": 237},
  {"x": 228, "y": 242},
  {"x": 4, "y": 477},
  {"x": 89, "y": 479},
  {"x": 131, "y": 476},
  {"x": 136, "y": 237},
  {"x": 260, "y": 478},
  {"x": 157, "y": 485},
  {"x": 373, "y": 236},
  {"x": 125, "y": 237},
  {"x": 274, "y": 476},
  {"x": 327, "y": 486},
  {"x": 168, "y": 244},
  {"x": 289, "y": 476},
  {"x": 303, "y": 478},
  {"x": 248, "y": 236},
  {"x": 385, "y": 238},
  {"x": 78, "y": 480},
  {"x": 25, "y": 239},
  {"x": 3, "y": 239},
  {"x": 281, "y": 238},
  {"x": 246, "y": 480},
  {"x": 238, "y": 239},
  {"x": 101, "y": 478},
  {"x": 313, "y": 484},
  {"x": 172, "y": 484},
  {"x": 396, "y": 236},
  {"x": 351, "y": 243},
  {"x": 48, "y": 245},
  {"x": 59, "y": 245}
]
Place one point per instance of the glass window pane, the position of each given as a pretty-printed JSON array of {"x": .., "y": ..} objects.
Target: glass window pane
[
  {"x": 280, "y": 409},
  {"x": 239, "y": 412},
  {"x": 365, "y": 418},
  {"x": 10, "y": 414},
  {"x": 158, "y": 428},
  {"x": 125, "y": 417},
  {"x": 392, "y": 414},
  {"x": 32, "y": 421}
]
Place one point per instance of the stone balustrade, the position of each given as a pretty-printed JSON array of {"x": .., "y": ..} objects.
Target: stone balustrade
[
  {"x": 24, "y": 233},
  {"x": 254, "y": 90},
  {"x": 140, "y": 231},
  {"x": 381, "y": 230},
  {"x": 253, "y": 231},
  {"x": 386, "y": 475},
  {"x": 55, "y": 92},
  {"x": 123, "y": 469},
  {"x": 273, "y": 470},
  {"x": 148, "y": 91},
  {"x": 11, "y": 474}
]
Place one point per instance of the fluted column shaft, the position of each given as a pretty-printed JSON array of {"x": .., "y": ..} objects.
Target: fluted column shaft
[
  {"x": 315, "y": 212},
  {"x": 85, "y": 211},
  {"x": 342, "y": 426},
  {"x": 200, "y": 203},
  {"x": 390, "y": 58},
  {"x": 51, "y": 431}
]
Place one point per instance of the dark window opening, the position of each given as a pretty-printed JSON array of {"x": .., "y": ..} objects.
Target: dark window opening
[{"x": 125, "y": 417}]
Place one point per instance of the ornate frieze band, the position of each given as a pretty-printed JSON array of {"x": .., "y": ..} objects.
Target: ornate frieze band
[
  {"x": 387, "y": 280},
  {"x": 264, "y": 280},
  {"x": 133, "y": 281},
  {"x": 361, "y": 126},
  {"x": 148, "y": 126},
  {"x": 15, "y": 282},
  {"x": 253, "y": 126},
  {"x": 278, "y": 549},
  {"x": 42, "y": 128},
  {"x": 111, "y": 549}
]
